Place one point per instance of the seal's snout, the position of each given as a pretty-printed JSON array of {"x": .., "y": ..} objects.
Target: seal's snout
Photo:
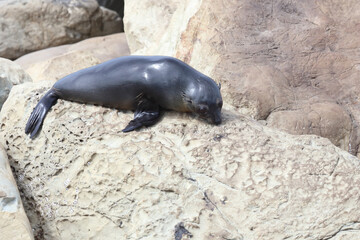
[
  {"x": 216, "y": 118},
  {"x": 217, "y": 121}
]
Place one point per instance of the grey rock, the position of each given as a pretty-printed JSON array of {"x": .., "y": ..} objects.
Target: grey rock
[
  {"x": 10, "y": 74},
  {"x": 28, "y": 26}
]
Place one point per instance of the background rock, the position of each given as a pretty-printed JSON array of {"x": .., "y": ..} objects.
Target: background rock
[
  {"x": 277, "y": 60},
  {"x": 28, "y": 26},
  {"x": 83, "y": 178},
  {"x": 161, "y": 32},
  {"x": 10, "y": 74},
  {"x": 14, "y": 224},
  {"x": 57, "y": 62}
]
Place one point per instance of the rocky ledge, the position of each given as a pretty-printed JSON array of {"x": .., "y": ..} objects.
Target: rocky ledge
[{"x": 83, "y": 178}]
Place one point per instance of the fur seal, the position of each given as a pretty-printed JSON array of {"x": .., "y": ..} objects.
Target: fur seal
[{"x": 145, "y": 84}]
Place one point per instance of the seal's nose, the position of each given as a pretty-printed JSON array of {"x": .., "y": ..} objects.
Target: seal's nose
[
  {"x": 217, "y": 121},
  {"x": 217, "y": 118}
]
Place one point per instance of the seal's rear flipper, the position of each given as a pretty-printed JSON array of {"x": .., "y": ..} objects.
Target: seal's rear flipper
[
  {"x": 38, "y": 114},
  {"x": 146, "y": 114}
]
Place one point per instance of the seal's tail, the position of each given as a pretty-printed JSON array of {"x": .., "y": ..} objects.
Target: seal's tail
[{"x": 38, "y": 114}]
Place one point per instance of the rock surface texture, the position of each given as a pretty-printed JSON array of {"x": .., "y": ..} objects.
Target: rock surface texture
[
  {"x": 30, "y": 25},
  {"x": 57, "y": 62},
  {"x": 10, "y": 74},
  {"x": 82, "y": 178},
  {"x": 14, "y": 223},
  {"x": 294, "y": 64}
]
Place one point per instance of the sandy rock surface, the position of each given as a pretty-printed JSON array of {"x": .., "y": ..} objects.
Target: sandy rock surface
[
  {"x": 30, "y": 25},
  {"x": 57, "y": 62},
  {"x": 14, "y": 223},
  {"x": 292, "y": 63},
  {"x": 83, "y": 178},
  {"x": 10, "y": 74}
]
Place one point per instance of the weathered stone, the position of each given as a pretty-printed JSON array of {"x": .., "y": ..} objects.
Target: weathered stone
[
  {"x": 273, "y": 58},
  {"x": 83, "y": 178},
  {"x": 167, "y": 18},
  {"x": 315, "y": 119},
  {"x": 10, "y": 74},
  {"x": 57, "y": 62},
  {"x": 14, "y": 223},
  {"x": 30, "y": 25}
]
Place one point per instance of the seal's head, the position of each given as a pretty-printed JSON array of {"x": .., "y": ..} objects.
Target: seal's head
[{"x": 204, "y": 98}]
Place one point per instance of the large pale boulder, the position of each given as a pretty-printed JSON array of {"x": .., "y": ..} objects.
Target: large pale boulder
[
  {"x": 279, "y": 61},
  {"x": 57, "y": 62},
  {"x": 14, "y": 223},
  {"x": 82, "y": 178},
  {"x": 30, "y": 25},
  {"x": 10, "y": 74}
]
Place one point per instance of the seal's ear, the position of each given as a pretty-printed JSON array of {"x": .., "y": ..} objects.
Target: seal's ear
[{"x": 219, "y": 85}]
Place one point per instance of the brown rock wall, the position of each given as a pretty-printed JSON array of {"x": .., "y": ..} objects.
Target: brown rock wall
[{"x": 273, "y": 58}]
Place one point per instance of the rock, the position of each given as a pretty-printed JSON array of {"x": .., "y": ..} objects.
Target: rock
[
  {"x": 315, "y": 119},
  {"x": 10, "y": 74},
  {"x": 57, "y": 62},
  {"x": 167, "y": 18},
  {"x": 84, "y": 178},
  {"x": 30, "y": 25},
  {"x": 14, "y": 223},
  {"x": 275, "y": 59}
]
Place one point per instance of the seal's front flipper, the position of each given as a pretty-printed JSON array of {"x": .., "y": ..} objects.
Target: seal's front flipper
[{"x": 146, "y": 114}]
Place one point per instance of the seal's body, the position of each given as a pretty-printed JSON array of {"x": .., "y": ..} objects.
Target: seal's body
[{"x": 145, "y": 84}]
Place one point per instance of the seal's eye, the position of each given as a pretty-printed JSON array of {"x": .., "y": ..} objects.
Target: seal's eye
[{"x": 203, "y": 109}]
